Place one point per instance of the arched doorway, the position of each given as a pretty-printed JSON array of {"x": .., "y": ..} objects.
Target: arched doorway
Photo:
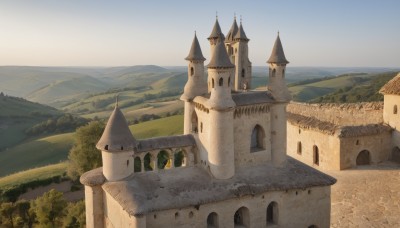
[
  {"x": 272, "y": 214},
  {"x": 242, "y": 218},
  {"x": 257, "y": 139},
  {"x": 212, "y": 220},
  {"x": 363, "y": 158},
  {"x": 396, "y": 154}
]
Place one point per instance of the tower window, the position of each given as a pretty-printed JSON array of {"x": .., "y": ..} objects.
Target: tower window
[
  {"x": 191, "y": 71},
  {"x": 273, "y": 72},
  {"x": 242, "y": 217},
  {"x": 229, "y": 81},
  {"x": 212, "y": 83},
  {"x": 194, "y": 122},
  {"x": 395, "y": 109},
  {"x": 299, "y": 148},
  {"x": 221, "y": 82},
  {"x": 243, "y": 73},
  {"x": 201, "y": 127},
  {"x": 316, "y": 155},
  {"x": 212, "y": 220},
  {"x": 283, "y": 73}
]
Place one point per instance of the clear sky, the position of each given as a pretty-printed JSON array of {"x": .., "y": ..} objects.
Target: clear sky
[{"x": 120, "y": 33}]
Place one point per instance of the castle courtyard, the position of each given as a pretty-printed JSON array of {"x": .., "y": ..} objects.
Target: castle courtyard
[{"x": 367, "y": 196}]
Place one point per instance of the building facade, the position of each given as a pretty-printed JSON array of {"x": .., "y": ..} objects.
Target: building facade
[{"x": 234, "y": 171}]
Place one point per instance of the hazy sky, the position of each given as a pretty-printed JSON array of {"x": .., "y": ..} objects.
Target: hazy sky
[{"x": 120, "y": 33}]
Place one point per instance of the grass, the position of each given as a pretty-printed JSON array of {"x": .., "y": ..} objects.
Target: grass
[
  {"x": 36, "y": 153},
  {"x": 172, "y": 125},
  {"x": 33, "y": 174}
]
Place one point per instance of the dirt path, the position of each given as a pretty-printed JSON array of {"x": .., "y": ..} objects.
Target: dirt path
[{"x": 366, "y": 197}]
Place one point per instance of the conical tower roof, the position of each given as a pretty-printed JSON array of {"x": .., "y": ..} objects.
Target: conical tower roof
[
  {"x": 232, "y": 32},
  {"x": 241, "y": 35},
  {"x": 277, "y": 55},
  {"x": 116, "y": 136},
  {"x": 220, "y": 58},
  {"x": 195, "y": 51},
  {"x": 216, "y": 32}
]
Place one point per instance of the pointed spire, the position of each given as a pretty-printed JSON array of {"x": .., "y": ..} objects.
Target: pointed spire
[
  {"x": 216, "y": 32},
  {"x": 277, "y": 55},
  {"x": 220, "y": 57},
  {"x": 241, "y": 35},
  {"x": 116, "y": 136},
  {"x": 232, "y": 32},
  {"x": 195, "y": 51}
]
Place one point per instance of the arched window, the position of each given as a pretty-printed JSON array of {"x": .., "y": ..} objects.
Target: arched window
[
  {"x": 243, "y": 73},
  {"x": 316, "y": 155},
  {"x": 395, "y": 109},
  {"x": 201, "y": 127},
  {"x": 283, "y": 73},
  {"x": 257, "y": 139},
  {"x": 194, "y": 122},
  {"x": 137, "y": 165},
  {"x": 212, "y": 220},
  {"x": 272, "y": 214},
  {"x": 179, "y": 158},
  {"x": 106, "y": 147},
  {"x": 212, "y": 83},
  {"x": 363, "y": 158},
  {"x": 242, "y": 217},
  {"x": 273, "y": 72},
  {"x": 191, "y": 71},
  {"x": 299, "y": 148},
  {"x": 229, "y": 81},
  {"x": 221, "y": 82},
  {"x": 163, "y": 160},
  {"x": 148, "y": 165}
]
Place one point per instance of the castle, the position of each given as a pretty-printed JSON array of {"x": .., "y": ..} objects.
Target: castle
[
  {"x": 342, "y": 136},
  {"x": 234, "y": 172}
]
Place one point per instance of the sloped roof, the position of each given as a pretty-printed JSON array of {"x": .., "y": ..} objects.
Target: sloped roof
[
  {"x": 232, "y": 32},
  {"x": 116, "y": 136},
  {"x": 277, "y": 54},
  {"x": 195, "y": 51},
  {"x": 252, "y": 97},
  {"x": 392, "y": 86},
  {"x": 147, "y": 192},
  {"x": 220, "y": 57},
  {"x": 241, "y": 35},
  {"x": 216, "y": 32}
]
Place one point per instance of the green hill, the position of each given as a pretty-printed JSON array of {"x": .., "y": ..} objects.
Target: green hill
[
  {"x": 172, "y": 125},
  {"x": 36, "y": 153},
  {"x": 363, "y": 92},
  {"x": 308, "y": 91},
  {"x": 59, "y": 92},
  {"x": 17, "y": 115}
]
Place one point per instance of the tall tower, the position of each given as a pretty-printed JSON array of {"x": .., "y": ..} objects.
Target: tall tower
[
  {"x": 277, "y": 86},
  {"x": 196, "y": 84},
  {"x": 221, "y": 150},
  {"x": 229, "y": 40},
  {"x": 242, "y": 62},
  {"x": 117, "y": 145}
]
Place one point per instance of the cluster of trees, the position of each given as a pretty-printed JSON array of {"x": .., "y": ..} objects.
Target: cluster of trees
[
  {"x": 49, "y": 210},
  {"x": 64, "y": 123}
]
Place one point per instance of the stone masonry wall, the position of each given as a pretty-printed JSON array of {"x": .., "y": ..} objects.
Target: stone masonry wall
[{"x": 341, "y": 114}]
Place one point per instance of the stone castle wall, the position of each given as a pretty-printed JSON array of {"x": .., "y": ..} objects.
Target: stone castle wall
[{"x": 341, "y": 114}]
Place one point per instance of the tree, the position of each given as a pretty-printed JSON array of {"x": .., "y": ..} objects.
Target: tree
[
  {"x": 50, "y": 208},
  {"x": 84, "y": 155},
  {"x": 75, "y": 215},
  {"x": 7, "y": 212},
  {"x": 26, "y": 213}
]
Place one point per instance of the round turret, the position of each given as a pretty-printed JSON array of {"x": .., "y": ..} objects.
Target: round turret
[{"x": 117, "y": 145}]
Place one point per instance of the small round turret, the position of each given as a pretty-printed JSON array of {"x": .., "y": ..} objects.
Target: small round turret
[{"x": 117, "y": 145}]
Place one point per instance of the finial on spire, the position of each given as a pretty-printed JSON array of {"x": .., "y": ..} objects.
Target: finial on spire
[
  {"x": 216, "y": 15},
  {"x": 234, "y": 15},
  {"x": 240, "y": 19},
  {"x": 278, "y": 32},
  {"x": 194, "y": 32}
]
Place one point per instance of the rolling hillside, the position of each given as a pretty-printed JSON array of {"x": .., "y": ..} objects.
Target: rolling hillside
[{"x": 17, "y": 115}]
